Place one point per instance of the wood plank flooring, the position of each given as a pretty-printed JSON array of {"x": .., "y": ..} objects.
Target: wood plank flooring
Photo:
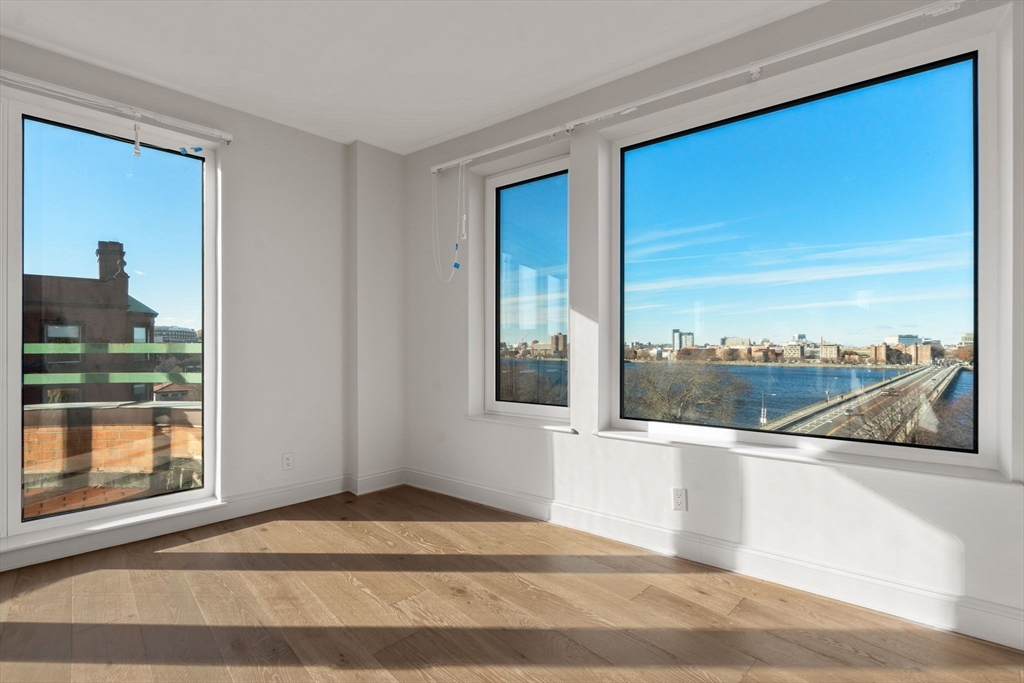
[{"x": 407, "y": 585}]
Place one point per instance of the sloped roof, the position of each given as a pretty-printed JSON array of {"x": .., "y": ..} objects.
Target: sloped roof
[{"x": 136, "y": 306}]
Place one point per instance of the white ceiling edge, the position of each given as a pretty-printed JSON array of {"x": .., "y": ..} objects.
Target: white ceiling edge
[
  {"x": 131, "y": 73},
  {"x": 666, "y": 56},
  {"x": 637, "y": 67}
]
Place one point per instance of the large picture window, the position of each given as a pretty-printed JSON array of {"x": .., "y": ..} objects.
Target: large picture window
[
  {"x": 532, "y": 309},
  {"x": 112, "y": 237},
  {"x": 810, "y": 268}
]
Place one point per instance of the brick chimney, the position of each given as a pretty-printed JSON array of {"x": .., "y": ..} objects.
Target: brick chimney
[{"x": 110, "y": 256}]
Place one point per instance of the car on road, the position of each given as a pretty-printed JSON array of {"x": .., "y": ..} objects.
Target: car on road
[{"x": 848, "y": 411}]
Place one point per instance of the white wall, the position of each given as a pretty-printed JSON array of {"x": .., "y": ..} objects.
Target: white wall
[
  {"x": 942, "y": 550},
  {"x": 378, "y": 191},
  {"x": 284, "y": 217}
]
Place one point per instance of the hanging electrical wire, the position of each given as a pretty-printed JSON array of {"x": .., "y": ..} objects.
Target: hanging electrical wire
[{"x": 460, "y": 227}]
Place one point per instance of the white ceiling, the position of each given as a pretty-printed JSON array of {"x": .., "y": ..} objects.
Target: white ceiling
[{"x": 399, "y": 75}]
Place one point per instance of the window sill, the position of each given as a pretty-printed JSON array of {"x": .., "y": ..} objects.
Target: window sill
[
  {"x": 60, "y": 533},
  {"x": 790, "y": 454},
  {"x": 519, "y": 421}
]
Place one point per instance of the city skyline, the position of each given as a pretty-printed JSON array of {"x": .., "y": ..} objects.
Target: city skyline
[
  {"x": 775, "y": 223},
  {"x": 82, "y": 188},
  {"x": 759, "y": 340}
]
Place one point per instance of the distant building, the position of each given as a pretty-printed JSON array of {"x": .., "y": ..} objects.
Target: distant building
[
  {"x": 559, "y": 347},
  {"x": 793, "y": 351},
  {"x": 681, "y": 339},
  {"x": 736, "y": 341},
  {"x": 800, "y": 338},
  {"x": 74, "y": 310},
  {"x": 172, "y": 333},
  {"x": 830, "y": 353},
  {"x": 905, "y": 339},
  {"x": 879, "y": 355},
  {"x": 967, "y": 339},
  {"x": 541, "y": 350}
]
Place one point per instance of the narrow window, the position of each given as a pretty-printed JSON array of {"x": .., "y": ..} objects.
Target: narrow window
[
  {"x": 112, "y": 245},
  {"x": 532, "y": 256},
  {"x": 810, "y": 269},
  {"x": 63, "y": 334}
]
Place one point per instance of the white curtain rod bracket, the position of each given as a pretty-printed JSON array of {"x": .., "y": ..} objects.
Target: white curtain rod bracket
[{"x": 20, "y": 82}]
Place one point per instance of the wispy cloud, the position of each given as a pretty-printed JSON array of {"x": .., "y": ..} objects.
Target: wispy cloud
[
  {"x": 667, "y": 258},
  {"x": 667, "y": 233},
  {"x": 859, "y": 301},
  {"x": 641, "y": 307},
  {"x": 858, "y": 250},
  {"x": 790, "y": 276},
  {"x": 139, "y": 272},
  {"x": 659, "y": 248}
]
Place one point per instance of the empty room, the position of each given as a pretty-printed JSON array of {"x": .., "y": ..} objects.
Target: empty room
[{"x": 512, "y": 341}]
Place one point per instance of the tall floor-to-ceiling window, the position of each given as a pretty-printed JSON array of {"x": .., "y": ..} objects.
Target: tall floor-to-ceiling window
[{"x": 110, "y": 234}]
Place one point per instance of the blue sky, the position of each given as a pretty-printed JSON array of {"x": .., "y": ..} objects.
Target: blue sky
[
  {"x": 534, "y": 225},
  {"x": 82, "y": 188},
  {"x": 849, "y": 218}
]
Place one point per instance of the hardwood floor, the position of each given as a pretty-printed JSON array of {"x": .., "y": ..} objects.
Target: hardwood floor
[{"x": 407, "y": 585}]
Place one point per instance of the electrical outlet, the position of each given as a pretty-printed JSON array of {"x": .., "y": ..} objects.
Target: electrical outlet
[
  {"x": 287, "y": 461},
  {"x": 679, "y": 499}
]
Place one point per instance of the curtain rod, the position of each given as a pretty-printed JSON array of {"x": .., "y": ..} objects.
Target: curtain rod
[
  {"x": 35, "y": 85},
  {"x": 753, "y": 69}
]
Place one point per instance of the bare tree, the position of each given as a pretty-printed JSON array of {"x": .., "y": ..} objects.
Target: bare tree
[
  {"x": 953, "y": 426},
  {"x": 695, "y": 393}
]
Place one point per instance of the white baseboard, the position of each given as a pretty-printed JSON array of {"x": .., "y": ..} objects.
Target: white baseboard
[
  {"x": 991, "y": 621},
  {"x": 231, "y": 507},
  {"x": 977, "y": 618},
  {"x": 377, "y": 481},
  {"x": 503, "y": 499}
]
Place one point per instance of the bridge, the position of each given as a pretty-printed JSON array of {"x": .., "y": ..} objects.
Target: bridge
[{"x": 885, "y": 411}]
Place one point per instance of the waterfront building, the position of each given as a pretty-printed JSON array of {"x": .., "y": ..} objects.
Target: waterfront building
[
  {"x": 793, "y": 351},
  {"x": 830, "y": 353},
  {"x": 558, "y": 345}
]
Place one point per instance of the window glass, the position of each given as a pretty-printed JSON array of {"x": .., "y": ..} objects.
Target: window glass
[
  {"x": 113, "y": 243},
  {"x": 810, "y": 269},
  {"x": 533, "y": 306}
]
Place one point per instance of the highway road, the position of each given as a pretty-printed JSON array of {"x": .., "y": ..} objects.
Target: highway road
[{"x": 876, "y": 413}]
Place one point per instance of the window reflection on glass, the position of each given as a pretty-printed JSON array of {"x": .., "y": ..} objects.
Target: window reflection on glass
[
  {"x": 113, "y": 246},
  {"x": 533, "y": 306}
]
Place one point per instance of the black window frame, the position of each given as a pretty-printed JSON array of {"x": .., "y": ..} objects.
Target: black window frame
[
  {"x": 971, "y": 56},
  {"x": 497, "y": 291}
]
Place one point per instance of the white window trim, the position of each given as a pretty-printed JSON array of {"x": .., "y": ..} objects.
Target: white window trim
[
  {"x": 975, "y": 33},
  {"x": 545, "y": 414},
  {"x": 13, "y": 531}
]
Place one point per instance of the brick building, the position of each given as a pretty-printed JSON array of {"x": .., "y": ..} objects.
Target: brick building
[{"x": 72, "y": 310}]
